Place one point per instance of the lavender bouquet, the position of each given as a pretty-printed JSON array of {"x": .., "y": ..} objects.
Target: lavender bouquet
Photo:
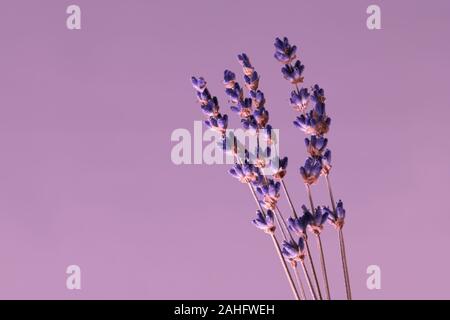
[{"x": 264, "y": 173}]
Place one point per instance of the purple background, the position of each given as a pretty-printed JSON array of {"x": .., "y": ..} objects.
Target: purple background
[{"x": 85, "y": 122}]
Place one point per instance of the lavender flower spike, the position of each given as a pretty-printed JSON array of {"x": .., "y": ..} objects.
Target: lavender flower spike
[
  {"x": 265, "y": 222},
  {"x": 199, "y": 83}
]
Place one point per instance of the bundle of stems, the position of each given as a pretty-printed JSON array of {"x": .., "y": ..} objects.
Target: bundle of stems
[{"x": 264, "y": 171}]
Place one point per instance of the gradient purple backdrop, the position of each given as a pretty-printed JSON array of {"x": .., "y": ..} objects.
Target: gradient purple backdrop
[{"x": 85, "y": 122}]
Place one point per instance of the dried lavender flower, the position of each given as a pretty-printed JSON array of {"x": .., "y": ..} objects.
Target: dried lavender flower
[
  {"x": 337, "y": 218},
  {"x": 318, "y": 94},
  {"x": 261, "y": 116},
  {"x": 300, "y": 99},
  {"x": 258, "y": 98},
  {"x": 245, "y": 173},
  {"x": 310, "y": 172},
  {"x": 294, "y": 251},
  {"x": 316, "y": 145},
  {"x": 298, "y": 225},
  {"x": 235, "y": 93},
  {"x": 293, "y": 73},
  {"x": 313, "y": 123},
  {"x": 285, "y": 53},
  {"x": 278, "y": 167},
  {"x": 270, "y": 192},
  {"x": 218, "y": 123},
  {"x": 265, "y": 222},
  {"x": 245, "y": 63},
  {"x": 316, "y": 219},
  {"x": 229, "y": 79},
  {"x": 243, "y": 107},
  {"x": 211, "y": 107},
  {"x": 199, "y": 83}
]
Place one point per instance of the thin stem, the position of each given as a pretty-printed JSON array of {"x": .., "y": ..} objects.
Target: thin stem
[
  {"x": 286, "y": 270},
  {"x": 277, "y": 247},
  {"x": 308, "y": 189},
  {"x": 313, "y": 269},
  {"x": 344, "y": 265},
  {"x": 289, "y": 199},
  {"x": 330, "y": 192},
  {"x": 277, "y": 219},
  {"x": 308, "y": 278},
  {"x": 324, "y": 268},
  {"x": 284, "y": 224},
  {"x": 309, "y": 256},
  {"x": 341, "y": 243},
  {"x": 299, "y": 282}
]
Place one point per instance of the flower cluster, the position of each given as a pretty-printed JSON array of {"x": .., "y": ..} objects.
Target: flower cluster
[
  {"x": 315, "y": 122},
  {"x": 294, "y": 251},
  {"x": 253, "y": 114},
  {"x": 317, "y": 219},
  {"x": 246, "y": 173},
  {"x": 210, "y": 106},
  {"x": 251, "y": 109},
  {"x": 300, "y": 99},
  {"x": 269, "y": 190},
  {"x": 312, "y": 221},
  {"x": 337, "y": 217},
  {"x": 265, "y": 221}
]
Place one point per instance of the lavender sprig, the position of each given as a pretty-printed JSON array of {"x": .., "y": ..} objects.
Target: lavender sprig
[
  {"x": 256, "y": 117},
  {"x": 244, "y": 171},
  {"x": 315, "y": 123}
]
